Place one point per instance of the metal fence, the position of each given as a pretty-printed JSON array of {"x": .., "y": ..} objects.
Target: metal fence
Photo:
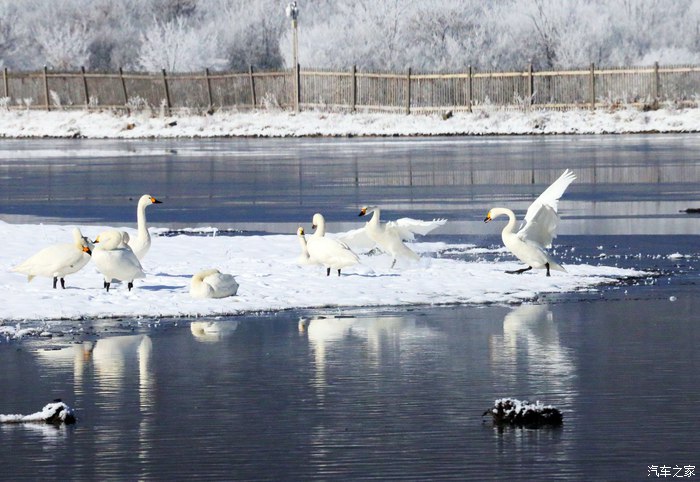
[{"x": 298, "y": 89}]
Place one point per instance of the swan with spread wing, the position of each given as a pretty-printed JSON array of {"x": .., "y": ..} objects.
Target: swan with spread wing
[{"x": 528, "y": 244}]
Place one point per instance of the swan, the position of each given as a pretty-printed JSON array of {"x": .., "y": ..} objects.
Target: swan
[
  {"x": 304, "y": 257},
  {"x": 58, "y": 260},
  {"x": 539, "y": 229},
  {"x": 142, "y": 242},
  {"x": 388, "y": 239},
  {"x": 115, "y": 259},
  {"x": 406, "y": 228},
  {"x": 329, "y": 252},
  {"x": 211, "y": 283}
]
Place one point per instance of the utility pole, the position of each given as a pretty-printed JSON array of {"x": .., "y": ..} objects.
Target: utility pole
[{"x": 292, "y": 11}]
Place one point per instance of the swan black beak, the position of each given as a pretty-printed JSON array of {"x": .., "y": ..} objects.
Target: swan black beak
[
  {"x": 363, "y": 211},
  {"x": 155, "y": 201},
  {"x": 488, "y": 218},
  {"x": 313, "y": 226},
  {"x": 87, "y": 250}
]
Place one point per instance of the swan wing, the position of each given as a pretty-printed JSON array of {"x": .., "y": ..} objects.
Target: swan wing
[
  {"x": 407, "y": 228},
  {"x": 357, "y": 239},
  {"x": 222, "y": 285},
  {"x": 541, "y": 219}
]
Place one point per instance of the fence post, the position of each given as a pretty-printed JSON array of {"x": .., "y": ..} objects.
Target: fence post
[
  {"x": 469, "y": 90},
  {"x": 126, "y": 97},
  {"x": 592, "y": 86},
  {"x": 167, "y": 93},
  {"x": 46, "y": 88},
  {"x": 353, "y": 102},
  {"x": 655, "y": 86},
  {"x": 408, "y": 91},
  {"x": 6, "y": 83},
  {"x": 297, "y": 88},
  {"x": 251, "y": 79},
  {"x": 85, "y": 88},
  {"x": 530, "y": 86},
  {"x": 211, "y": 103}
]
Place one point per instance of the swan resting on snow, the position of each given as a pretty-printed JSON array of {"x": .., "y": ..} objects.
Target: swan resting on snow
[
  {"x": 538, "y": 230},
  {"x": 211, "y": 283},
  {"x": 142, "y": 243},
  {"x": 329, "y": 252},
  {"x": 55, "y": 412},
  {"x": 388, "y": 238},
  {"x": 115, "y": 259},
  {"x": 58, "y": 260}
]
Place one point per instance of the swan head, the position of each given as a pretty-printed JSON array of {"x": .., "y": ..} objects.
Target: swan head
[
  {"x": 109, "y": 240},
  {"x": 147, "y": 199},
  {"x": 318, "y": 221},
  {"x": 495, "y": 212},
  {"x": 300, "y": 231},
  {"x": 367, "y": 209}
]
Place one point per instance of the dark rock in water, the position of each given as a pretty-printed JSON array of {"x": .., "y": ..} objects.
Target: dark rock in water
[{"x": 511, "y": 411}]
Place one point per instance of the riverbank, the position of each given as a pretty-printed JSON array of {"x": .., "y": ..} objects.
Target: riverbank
[{"x": 275, "y": 123}]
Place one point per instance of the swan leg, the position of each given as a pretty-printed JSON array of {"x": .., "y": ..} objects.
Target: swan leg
[
  {"x": 547, "y": 266},
  {"x": 393, "y": 263},
  {"x": 107, "y": 286},
  {"x": 338, "y": 271},
  {"x": 520, "y": 271},
  {"x": 63, "y": 283},
  {"x": 55, "y": 280},
  {"x": 130, "y": 285},
  {"x": 328, "y": 271}
]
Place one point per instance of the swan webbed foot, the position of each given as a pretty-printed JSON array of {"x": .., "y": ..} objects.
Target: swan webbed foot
[
  {"x": 55, "y": 281},
  {"x": 63, "y": 283},
  {"x": 519, "y": 271},
  {"x": 328, "y": 271},
  {"x": 547, "y": 266},
  {"x": 130, "y": 285}
]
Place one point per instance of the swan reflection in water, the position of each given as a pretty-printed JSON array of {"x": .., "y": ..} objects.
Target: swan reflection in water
[
  {"x": 212, "y": 331},
  {"x": 382, "y": 338},
  {"x": 530, "y": 350}
]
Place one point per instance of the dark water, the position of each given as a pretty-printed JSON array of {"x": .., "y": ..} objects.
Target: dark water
[{"x": 368, "y": 394}]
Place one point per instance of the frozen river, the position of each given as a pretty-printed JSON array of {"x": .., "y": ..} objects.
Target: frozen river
[{"x": 370, "y": 393}]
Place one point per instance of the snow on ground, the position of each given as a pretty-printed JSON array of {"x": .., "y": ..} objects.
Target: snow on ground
[
  {"x": 272, "y": 123},
  {"x": 270, "y": 279}
]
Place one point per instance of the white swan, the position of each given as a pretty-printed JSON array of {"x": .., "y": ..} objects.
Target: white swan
[
  {"x": 329, "y": 252},
  {"x": 211, "y": 283},
  {"x": 406, "y": 228},
  {"x": 388, "y": 239},
  {"x": 538, "y": 230},
  {"x": 142, "y": 243},
  {"x": 115, "y": 259},
  {"x": 58, "y": 260},
  {"x": 304, "y": 256}
]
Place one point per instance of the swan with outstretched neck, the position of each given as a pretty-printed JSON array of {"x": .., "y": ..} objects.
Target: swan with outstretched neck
[
  {"x": 142, "y": 243},
  {"x": 329, "y": 252},
  {"x": 389, "y": 240},
  {"x": 528, "y": 244}
]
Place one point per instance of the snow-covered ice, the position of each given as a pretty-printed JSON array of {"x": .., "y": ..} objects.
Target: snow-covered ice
[{"x": 270, "y": 279}]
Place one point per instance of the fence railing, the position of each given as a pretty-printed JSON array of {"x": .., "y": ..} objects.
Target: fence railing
[{"x": 352, "y": 90}]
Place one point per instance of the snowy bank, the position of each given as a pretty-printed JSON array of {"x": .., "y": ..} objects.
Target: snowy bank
[
  {"x": 83, "y": 124},
  {"x": 270, "y": 279}
]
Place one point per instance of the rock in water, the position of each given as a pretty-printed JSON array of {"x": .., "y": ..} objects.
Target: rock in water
[{"x": 511, "y": 411}]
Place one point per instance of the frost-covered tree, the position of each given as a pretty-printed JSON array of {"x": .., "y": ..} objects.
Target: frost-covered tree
[{"x": 178, "y": 46}]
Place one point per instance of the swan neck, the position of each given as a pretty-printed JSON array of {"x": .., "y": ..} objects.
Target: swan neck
[
  {"x": 510, "y": 227},
  {"x": 141, "y": 219}
]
